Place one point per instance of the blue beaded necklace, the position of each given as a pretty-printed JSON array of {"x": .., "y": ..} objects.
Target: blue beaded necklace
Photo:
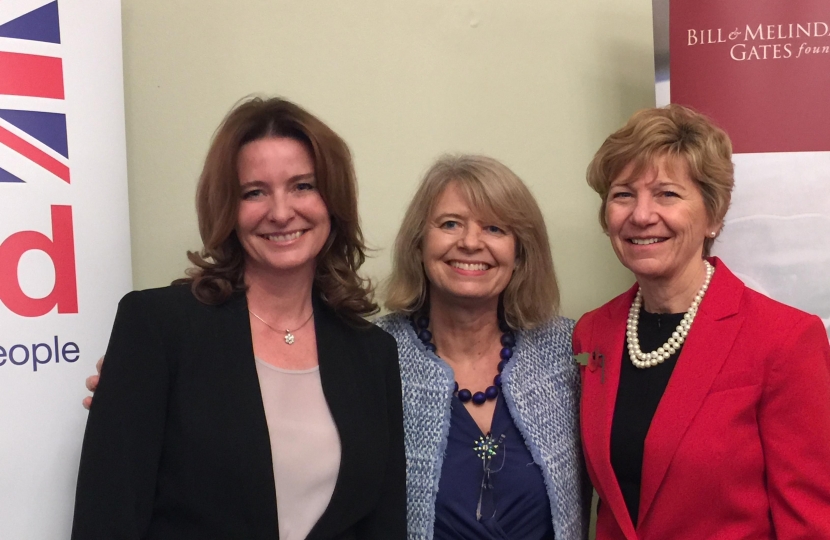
[{"x": 508, "y": 342}]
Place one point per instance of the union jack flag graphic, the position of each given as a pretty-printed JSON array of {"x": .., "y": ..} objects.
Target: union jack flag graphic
[{"x": 33, "y": 141}]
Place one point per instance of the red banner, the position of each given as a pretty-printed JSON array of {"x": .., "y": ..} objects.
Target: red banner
[
  {"x": 760, "y": 67},
  {"x": 761, "y": 70}
]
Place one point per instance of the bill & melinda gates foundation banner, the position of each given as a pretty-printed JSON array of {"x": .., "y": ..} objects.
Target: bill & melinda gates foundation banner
[
  {"x": 64, "y": 243},
  {"x": 761, "y": 70}
]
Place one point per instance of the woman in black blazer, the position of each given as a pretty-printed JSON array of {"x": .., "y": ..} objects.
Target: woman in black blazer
[{"x": 186, "y": 438}]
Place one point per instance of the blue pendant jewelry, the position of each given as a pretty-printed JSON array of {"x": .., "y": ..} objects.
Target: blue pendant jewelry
[
  {"x": 508, "y": 342},
  {"x": 487, "y": 446}
]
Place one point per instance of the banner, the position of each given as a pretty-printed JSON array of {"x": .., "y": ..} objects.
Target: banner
[
  {"x": 64, "y": 243},
  {"x": 761, "y": 70}
]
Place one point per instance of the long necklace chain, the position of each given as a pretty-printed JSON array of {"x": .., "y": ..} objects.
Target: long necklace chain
[
  {"x": 645, "y": 360},
  {"x": 289, "y": 334}
]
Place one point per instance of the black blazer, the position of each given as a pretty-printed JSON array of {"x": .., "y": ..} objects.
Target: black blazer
[{"x": 177, "y": 446}]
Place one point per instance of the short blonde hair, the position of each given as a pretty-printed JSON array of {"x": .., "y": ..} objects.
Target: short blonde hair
[
  {"x": 493, "y": 190},
  {"x": 685, "y": 137}
]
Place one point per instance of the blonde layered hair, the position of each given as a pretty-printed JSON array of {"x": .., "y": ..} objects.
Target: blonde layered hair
[
  {"x": 493, "y": 191},
  {"x": 687, "y": 138}
]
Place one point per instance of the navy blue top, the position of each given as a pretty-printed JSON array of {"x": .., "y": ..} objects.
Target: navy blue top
[{"x": 516, "y": 505}]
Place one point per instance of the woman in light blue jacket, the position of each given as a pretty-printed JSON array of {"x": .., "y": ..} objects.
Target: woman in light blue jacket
[{"x": 490, "y": 387}]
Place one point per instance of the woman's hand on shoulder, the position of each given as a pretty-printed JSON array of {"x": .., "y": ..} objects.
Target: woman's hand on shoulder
[{"x": 92, "y": 383}]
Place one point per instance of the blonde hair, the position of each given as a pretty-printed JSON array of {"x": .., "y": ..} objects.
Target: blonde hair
[
  {"x": 493, "y": 190},
  {"x": 683, "y": 136}
]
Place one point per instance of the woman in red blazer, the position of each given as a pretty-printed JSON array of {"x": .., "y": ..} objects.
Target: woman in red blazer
[{"x": 705, "y": 405}]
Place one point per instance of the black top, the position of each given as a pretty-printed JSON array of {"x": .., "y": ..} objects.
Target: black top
[
  {"x": 639, "y": 393},
  {"x": 177, "y": 445},
  {"x": 515, "y": 505}
]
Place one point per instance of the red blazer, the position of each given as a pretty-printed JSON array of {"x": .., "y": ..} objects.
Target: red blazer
[{"x": 739, "y": 447}]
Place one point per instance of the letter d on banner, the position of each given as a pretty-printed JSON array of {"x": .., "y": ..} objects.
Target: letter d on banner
[
  {"x": 61, "y": 115},
  {"x": 60, "y": 249}
]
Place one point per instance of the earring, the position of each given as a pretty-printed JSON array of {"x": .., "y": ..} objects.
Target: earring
[{"x": 713, "y": 234}]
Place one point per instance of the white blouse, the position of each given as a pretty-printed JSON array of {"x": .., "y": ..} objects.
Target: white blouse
[{"x": 305, "y": 446}]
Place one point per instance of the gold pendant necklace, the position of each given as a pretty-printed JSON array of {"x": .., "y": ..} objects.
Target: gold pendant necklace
[{"x": 289, "y": 334}]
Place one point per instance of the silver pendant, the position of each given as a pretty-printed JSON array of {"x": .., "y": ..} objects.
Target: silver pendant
[{"x": 289, "y": 337}]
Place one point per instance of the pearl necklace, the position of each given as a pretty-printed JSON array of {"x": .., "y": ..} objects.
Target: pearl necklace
[{"x": 645, "y": 360}]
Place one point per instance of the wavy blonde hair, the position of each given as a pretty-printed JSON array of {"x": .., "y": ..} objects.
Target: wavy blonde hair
[
  {"x": 492, "y": 190},
  {"x": 687, "y": 138}
]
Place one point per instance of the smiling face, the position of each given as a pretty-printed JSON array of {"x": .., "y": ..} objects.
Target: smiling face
[
  {"x": 657, "y": 221},
  {"x": 283, "y": 222},
  {"x": 466, "y": 258}
]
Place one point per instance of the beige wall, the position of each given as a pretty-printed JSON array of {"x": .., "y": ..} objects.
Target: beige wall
[{"x": 537, "y": 84}]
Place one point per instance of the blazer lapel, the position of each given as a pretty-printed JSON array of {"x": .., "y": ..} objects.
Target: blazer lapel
[
  {"x": 705, "y": 350},
  {"x": 228, "y": 346},
  {"x": 337, "y": 353},
  {"x": 599, "y": 396}
]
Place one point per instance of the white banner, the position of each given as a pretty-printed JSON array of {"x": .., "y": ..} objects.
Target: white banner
[{"x": 64, "y": 243}]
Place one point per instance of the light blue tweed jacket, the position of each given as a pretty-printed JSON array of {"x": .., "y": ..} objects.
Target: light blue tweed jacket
[{"x": 540, "y": 385}]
